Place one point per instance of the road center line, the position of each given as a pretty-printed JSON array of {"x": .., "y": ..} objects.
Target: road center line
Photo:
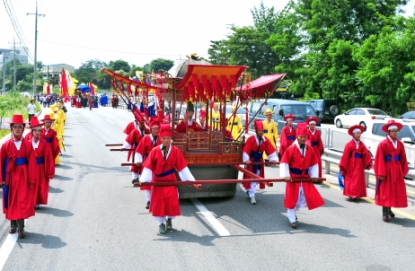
[
  {"x": 109, "y": 121},
  {"x": 217, "y": 226}
]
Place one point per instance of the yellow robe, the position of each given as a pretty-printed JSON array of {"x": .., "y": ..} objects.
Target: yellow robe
[
  {"x": 57, "y": 128},
  {"x": 234, "y": 126},
  {"x": 270, "y": 132},
  {"x": 215, "y": 120}
]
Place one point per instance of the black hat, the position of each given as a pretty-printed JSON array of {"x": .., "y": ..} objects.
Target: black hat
[{"x": 190, "y": 107}]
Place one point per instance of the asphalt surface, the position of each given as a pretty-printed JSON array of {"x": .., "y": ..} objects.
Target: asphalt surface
[{"x": 96, "y": 220}]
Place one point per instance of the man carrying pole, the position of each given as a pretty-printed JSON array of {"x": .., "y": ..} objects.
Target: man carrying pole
[
  {"x": 160, "y": 166},
  {"x": 300, "y": 161},
  {"x": 253, "y": 151},
  {"x": 147, "y": 143}
]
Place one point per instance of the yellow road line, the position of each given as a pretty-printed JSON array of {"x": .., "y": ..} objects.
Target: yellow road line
[{"x": 402, "y": 213}]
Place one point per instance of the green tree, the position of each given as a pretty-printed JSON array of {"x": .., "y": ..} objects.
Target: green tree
[
  {"x": 119, "y": 65},
  {"x": 218, "y": 52},
  {"x": 161, "y": 64},
  {"x": 386, "y": 73}
]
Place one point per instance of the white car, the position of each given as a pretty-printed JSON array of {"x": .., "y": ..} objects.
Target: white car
[
  {"x": 361, "y": 116},
  {"x": 374, "y": 135}
]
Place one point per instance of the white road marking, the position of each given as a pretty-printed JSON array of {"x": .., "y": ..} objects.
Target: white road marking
[
  {"x": 7, "y": 247},
  {"x": 217, "y": 226},
  {"x": 109, "y": 121}
]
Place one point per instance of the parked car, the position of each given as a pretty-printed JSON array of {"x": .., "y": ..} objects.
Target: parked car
[
  {"x": 374, "y": 135},
  {"x": 326, "y": 110},
  {"x": 300, "y": 110},
  {"x": 408, "y": 115},
  {"x": 361, "y": 116}
]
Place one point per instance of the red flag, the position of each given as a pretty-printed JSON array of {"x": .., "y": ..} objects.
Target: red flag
[
  {"x": 48, "y": 89},
  {"x": 212, "y": 102},
  {"x": 92, "y": 88},
  {"x": 64, "y": 84}
]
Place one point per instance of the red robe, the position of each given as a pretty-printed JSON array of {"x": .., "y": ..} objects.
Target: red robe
[
  {"x": 255, "y": 153},
  {"x": 130, "y": 127},
  {"x": 391, "y": 163},
  {"x": 15, "y": 166},
  {"x": 195, "y": 127},
  {"x": 165, "y": 199},
  {"x": 45, "y": 170},
  {"x": 314, "y": 140},
  {"x": 352, "y": 166},
  {"x": 133, "y": 139},
  {"x": 144, "y": 147},
  {"x": 296, "y": 162},
  {"x": 78, "y": 102},
  {"x": 50, "y": 137},
  {"x": 286, "y": 139}
]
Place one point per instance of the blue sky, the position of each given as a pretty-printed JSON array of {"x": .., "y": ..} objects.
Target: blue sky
[{"x": 75, "y": 31}]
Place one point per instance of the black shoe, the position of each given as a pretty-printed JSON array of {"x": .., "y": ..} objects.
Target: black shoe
[
  {"x": 169, "y": 226},
  {"x": 247, "y": 193},
  {"x": 293, "y": 225},
  {"x": 162, "y": 228},
  {"x": 391, "y": 214},
  {"x": 148, "y": 205},
  {"x": 134, "y": 181}
]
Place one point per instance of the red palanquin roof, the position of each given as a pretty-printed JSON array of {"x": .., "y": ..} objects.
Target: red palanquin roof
[
  {"x": 201, "y": 82},
  {"x": 262, "y": 84},
  {"x": 128, "y": 81}
]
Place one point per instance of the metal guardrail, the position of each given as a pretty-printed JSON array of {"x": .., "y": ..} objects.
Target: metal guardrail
[{"x": 333, "y": 157}]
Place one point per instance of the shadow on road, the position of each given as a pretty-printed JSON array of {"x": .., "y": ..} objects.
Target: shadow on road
[
  {"x": 185, "y": 236},
  {"x": 47, "y": 241},
  {"x": 62, "y": 178},
  {"x": 55, "y": 190},
  {"x": 54, "y": 211}
]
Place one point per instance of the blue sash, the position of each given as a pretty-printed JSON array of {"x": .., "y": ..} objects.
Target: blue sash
[
  {"x": 20, "y": 161},
  {"x": 356, "y": 155},
  {"x": 40, "y": 160},
  {"x": 314, "y": 143},
  {"x": 388, "y": 158},
  {"x": 164, "y": 174},
  {"x": 234, "y": 123},
  {"x": 291, "y": 137},
  {"x": 298, "y": 171},
  {"x": 257, "y": 158},
  {"x": 215, "y": 119},
  {"x": 48, "y": 140}
]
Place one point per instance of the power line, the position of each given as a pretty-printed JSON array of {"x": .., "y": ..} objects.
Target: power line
[
  {"x": 106, "y": 50},
  {"x": 16, "y": 30}
]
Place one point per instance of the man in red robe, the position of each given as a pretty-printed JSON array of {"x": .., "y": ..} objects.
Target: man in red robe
[
  {"x": 314, "y": 140},
  {"x": 131, "y": 142},
  {"x": 300, "y": 161},
  {"x": 202, "y": 120},
  {"x": 188, "y": 124},
  {"x": 131, "y": 126},
  {"x": 49, "y": 135},
  {"x": 390, "y": 168},
  {"x": 17, "y": 160},
  {"x": 147, "y": 143},
  {"x": 45, "y": 164},
  {"x": 287, "y": 134},
  {"x": 253, "y": 151},
  {"x": 355, "y": 159},
  {"x": 160, "y": 166}
]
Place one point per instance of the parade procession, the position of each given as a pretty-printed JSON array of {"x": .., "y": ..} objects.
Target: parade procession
[{"x": 181, "y": 140}]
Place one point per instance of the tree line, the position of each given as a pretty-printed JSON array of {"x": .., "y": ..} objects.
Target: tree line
[
  {"x": 360, "y": 52},
  {"x": 89, "y": 71}
]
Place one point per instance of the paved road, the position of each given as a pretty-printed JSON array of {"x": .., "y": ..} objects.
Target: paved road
[{"x": 96, "y": 220}]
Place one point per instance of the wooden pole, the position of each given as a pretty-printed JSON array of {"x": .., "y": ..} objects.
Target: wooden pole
[{"x": 224, "y": 181}]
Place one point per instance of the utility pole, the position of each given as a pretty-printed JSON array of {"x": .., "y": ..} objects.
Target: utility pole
[
  {"x": 35, "y": 64},
  {"x": 14, "y": 64}
]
